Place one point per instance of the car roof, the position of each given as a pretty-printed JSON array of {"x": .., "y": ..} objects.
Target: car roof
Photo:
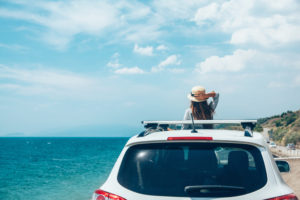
[{"x": 217, "y": 135}]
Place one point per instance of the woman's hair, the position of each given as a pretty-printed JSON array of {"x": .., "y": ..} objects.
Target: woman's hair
[{"x": 202, "y": 111}]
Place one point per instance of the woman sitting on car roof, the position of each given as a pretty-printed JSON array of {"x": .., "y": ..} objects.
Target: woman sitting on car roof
[{"x": 200, "y": 108}]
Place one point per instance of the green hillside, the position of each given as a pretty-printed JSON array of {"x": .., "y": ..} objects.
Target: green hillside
[{"x": 285, "y": 128}]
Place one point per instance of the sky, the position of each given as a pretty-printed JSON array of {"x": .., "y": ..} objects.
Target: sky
[{"x": 98, "y": 68}]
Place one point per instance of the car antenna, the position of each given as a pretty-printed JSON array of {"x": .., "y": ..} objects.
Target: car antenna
[{"x": 193, "y": 125}]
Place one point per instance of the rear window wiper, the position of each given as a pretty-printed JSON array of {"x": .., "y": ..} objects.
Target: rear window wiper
[{"x": 206, "y": 189}]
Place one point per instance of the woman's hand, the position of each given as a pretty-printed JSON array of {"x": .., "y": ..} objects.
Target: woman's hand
[{"x": 212, "y": 94}]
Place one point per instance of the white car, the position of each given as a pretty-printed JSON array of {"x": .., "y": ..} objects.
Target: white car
[
  {"x": 272, "y": 145},
  {"x": 196, "y": 165}
]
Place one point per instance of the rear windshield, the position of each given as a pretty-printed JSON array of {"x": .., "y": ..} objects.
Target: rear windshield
[{"x": 193, "y": 169}]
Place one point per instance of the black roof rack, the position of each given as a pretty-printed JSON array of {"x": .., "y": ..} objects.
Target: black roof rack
[{"x": 155, "y": 126}]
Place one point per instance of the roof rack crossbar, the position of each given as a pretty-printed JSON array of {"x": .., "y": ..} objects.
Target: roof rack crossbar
[
  {"x": 241, "y": 122},
  {"x": 248, "y": 125}
]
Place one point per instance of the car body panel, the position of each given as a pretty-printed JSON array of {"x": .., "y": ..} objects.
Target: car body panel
[
  {"x": 274, "y": 187},
  {"x": 272, "y": 145},
  {"x": 217, "y": 135},
  {"x": 291, "y": 146}
]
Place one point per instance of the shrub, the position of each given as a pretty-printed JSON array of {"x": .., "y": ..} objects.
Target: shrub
[
  {"x": 283, "y": 114},
  {"x": 278, "y": 134},
  {"x": 294, "y": 137},
  {"x": 258, "y": 128},
  {"x": 278, "y": 123},
  {"x": 290, "y": 119}
]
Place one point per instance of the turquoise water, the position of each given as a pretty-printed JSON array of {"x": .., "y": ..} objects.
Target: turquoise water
[{"x": 55, "y": 168}]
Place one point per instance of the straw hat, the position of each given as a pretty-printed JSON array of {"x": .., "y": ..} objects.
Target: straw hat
[{"x": 198, "y": 94}]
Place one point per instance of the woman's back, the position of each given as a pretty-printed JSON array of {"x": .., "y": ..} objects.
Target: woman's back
[{"x": 200, "y": 109}]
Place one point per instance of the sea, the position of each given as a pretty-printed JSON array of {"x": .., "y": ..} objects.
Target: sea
[{"x": 55, "y": 168}]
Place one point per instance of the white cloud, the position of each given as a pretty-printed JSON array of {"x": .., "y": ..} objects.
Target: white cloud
[
  {"x": 290, "y": 82},
  {"x": 208, "y": 12},
  {"x": 63, "y": 20},
  {"x": 147, "y": 31},
  {"x": 132, "y": 70},
  {"x": 248, "y": 22},
  {"x": 134, "y": 11},
  {"x": 161, "y": 48},
  {"x": 176, "y": 70},
  {"x": 232, "y": 63},
  {"x": 146, "y": 51},
  {"x": 254, "y": 22},
  {"x": 276, "y": 31},
  {"x": 276, "y": 84},
  {"x": 171, "y": 60},
  {"x": 15, "y": 47},
  {"x": 179, "y": 9},
  {"x": 46, "y": 82},
  {"x": 114, "y": 62},
  {"x": 296, "y": 81},
  {"x": 134, "y": 21}
]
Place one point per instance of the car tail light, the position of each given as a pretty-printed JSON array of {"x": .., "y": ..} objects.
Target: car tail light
[
  {"x": 285, "y": 197},
  {"x": 102, "y": 195},
  {"x": 190, "y": 138}
]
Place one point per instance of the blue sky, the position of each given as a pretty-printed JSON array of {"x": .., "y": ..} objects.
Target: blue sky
[{"x": 96, "y": 65}]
